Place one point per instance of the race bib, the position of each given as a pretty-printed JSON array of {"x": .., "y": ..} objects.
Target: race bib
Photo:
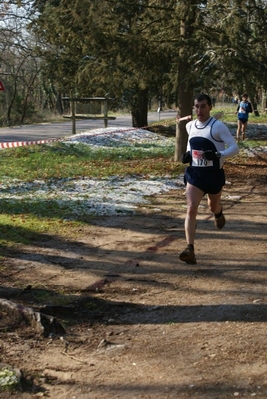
[
  {"x": 198, "y": 160},
  {"x": 242, "y": 110}
]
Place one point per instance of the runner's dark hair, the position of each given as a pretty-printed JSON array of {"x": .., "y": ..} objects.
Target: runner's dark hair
[{"x": 202, "y": 96}]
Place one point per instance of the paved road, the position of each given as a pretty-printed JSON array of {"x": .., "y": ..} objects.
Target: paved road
[{"x": 47, "y": 131}]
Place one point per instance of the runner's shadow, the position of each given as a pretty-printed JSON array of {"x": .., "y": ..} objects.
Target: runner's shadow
[{"x": 196, "y": 314}]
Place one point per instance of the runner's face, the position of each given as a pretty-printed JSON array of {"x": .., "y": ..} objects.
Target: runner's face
[{"x": 202, "y": 110}]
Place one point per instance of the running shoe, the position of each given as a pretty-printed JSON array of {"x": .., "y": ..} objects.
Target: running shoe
[
  {"x": 188, "y": 256},
  {"x": 220, "y": 221}
]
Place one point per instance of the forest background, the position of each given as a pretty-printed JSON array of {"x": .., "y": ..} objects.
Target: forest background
[{"x": 139, "y": 52}]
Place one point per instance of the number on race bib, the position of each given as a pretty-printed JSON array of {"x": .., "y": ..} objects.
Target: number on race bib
[{"x": 198, "y": 160}]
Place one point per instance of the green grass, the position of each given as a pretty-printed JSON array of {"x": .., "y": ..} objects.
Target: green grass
[
  {"x": 22, "y": 228},
  {"x": 229, "y": 114},
  {"x": 68, "y": 160},
  {"x": 251, "y": 144}
]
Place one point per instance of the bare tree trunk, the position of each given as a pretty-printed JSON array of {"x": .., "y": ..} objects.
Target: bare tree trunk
[
  {"x": 184, "y": 108},
  {"x": 184, "y": 90},
  {"x": 140, "y": 109},
  {"x": 26, "y": 97},
  {"x": 254, "y": 105}
]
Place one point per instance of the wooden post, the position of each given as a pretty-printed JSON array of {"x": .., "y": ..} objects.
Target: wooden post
[
  {"x": 105, "y": 113},
  {"x": 178, "y": 143},
  {"x": 72, "y": 105}
]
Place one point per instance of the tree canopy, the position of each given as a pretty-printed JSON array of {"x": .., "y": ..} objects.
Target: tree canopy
[{"x": 136, "y": 50}]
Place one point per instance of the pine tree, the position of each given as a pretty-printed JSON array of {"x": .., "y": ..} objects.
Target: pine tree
[{"x": 136, "y": 49}]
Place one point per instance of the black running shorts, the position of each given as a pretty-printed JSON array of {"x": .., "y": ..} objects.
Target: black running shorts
[
  {"x": 243, "y": 120},
  {"x": 209, "y": 180}
]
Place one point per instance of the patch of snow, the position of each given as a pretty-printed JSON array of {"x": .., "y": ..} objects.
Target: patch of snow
[
  {"x": 114, "y": 137},
  {"x": 85, "y": 196}
]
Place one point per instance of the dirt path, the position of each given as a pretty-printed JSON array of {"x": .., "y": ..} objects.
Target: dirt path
[{"x": 140, "y": 323}]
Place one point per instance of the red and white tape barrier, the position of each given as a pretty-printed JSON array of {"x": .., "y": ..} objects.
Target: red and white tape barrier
[{"x": 14, "y": 144}]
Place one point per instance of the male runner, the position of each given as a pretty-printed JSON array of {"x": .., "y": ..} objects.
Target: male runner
[
  {"x": 209, "y": 143},
  {"x": 243, "y": 110}
]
